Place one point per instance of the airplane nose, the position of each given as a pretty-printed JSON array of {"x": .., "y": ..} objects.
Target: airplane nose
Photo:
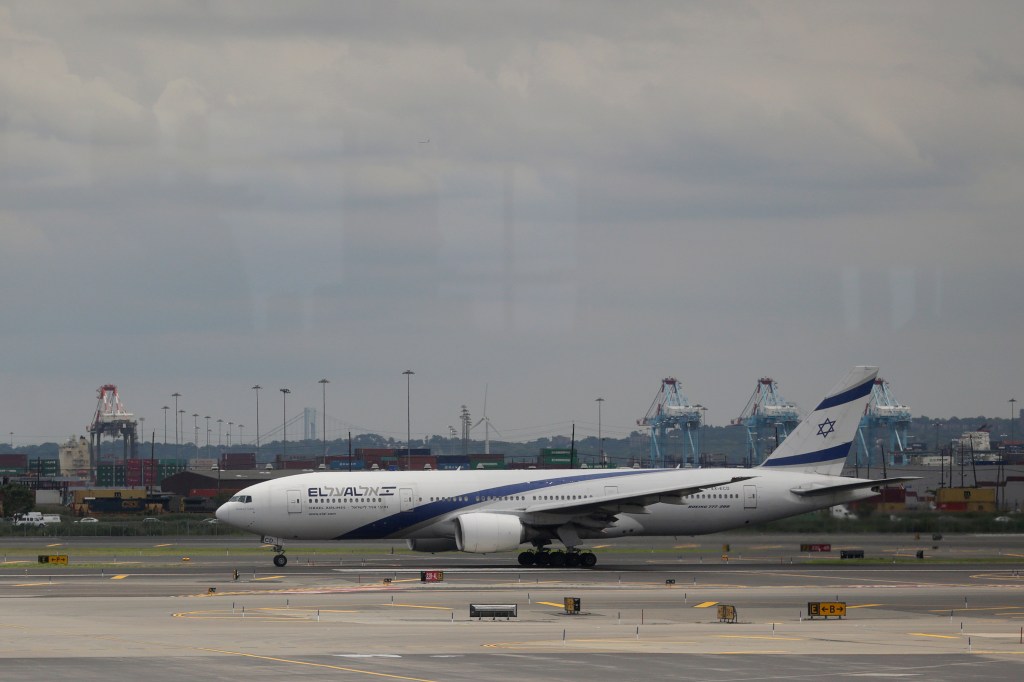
[{"x": 223, "y": 513}]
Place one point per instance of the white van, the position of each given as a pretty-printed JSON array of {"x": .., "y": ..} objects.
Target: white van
[{"x": 35, "y": 519}]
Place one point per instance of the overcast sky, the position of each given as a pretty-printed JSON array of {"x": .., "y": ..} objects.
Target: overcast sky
[{"x": 552, "y": 202}]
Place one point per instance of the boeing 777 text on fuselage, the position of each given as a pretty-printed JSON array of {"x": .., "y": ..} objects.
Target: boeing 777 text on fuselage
[{"x": 499, "y": 511}]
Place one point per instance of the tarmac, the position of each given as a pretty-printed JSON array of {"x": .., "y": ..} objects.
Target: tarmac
[{"x": 174, "y": 608}]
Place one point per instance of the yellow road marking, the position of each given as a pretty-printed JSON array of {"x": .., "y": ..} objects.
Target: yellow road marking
[
  {"x": 326, "y": 666},
  {"x": 925, "y": 634},
  {"x": 704, "y": 605},
  {"x": 417, "y": 606},
  {"x": 119, "y": 577},
  {"x": 550, "y": 603},
  {"x": 269, "y": 577}
]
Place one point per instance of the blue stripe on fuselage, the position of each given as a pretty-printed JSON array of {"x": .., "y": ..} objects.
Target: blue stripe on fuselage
[
  {"x": 430, "y": 511},
  {"x": 847, "y": 396},
  {"x": 831, "y": 454}
]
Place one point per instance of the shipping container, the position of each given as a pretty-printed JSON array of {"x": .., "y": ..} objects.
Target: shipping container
[
  {"x": 14, "y": 460},
  {"x": 966, "y": 499},
  {"x": 486, "y": 457}
]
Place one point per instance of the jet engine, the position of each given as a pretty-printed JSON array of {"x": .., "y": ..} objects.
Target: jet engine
[
  {"x": 432, "y": 544},
  {"x": 482, "y": 533}
]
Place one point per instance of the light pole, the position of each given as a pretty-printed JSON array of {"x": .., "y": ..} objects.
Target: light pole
[
  {"x": 257, "y": 388},
  {"x": 323, "y": 417},
  {"x": 195, "y": 420},
  {"x": 220, "y": 432},
  {"x": 703, "y": 426},
  {"x": 1012, "y": 401},
  {"x": 284, "y": 421},
  {"x": 230, "y": 424},
  {"x": 600, "y": 440},
  {"x": 408, "y": 420},
  {"x": 177, "y": 440},
  {"x": 207, "y": 435},
  {"x": 181, "y": 427},
  {"x": 165, "y": 408},
  {"x": 240, "y": 427}
]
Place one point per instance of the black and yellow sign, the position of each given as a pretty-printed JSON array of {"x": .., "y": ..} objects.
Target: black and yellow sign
[
  {"x": 53, "y": 559},
  {"x": 727, "y": 613},
  {"x": 826, "y": 609},
  {"x": 431, "y": 576},
  {"x": 572, "y": 604}
]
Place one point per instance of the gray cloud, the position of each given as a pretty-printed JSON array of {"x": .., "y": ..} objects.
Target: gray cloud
[{"x": 557, "y": 201}]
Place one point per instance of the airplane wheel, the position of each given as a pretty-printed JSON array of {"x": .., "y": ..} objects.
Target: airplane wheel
[
  {"x": 572, "y": 559},
  {"x": 557, "y": 559},
  {"x": 280, "y": 560},
  {"x": 527, "y": 558},
  {"x": 588, "y": 560},
  {"x": 542, "y": 558}
]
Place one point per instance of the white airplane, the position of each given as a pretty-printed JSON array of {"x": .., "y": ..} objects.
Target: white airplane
[{"x": 498, "y": 511}]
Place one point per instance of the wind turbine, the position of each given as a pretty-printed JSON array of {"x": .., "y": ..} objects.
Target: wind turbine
[{"x": 486, "y": 421}]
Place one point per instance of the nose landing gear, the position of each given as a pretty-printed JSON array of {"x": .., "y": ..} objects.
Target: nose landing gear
[{"x": 280, "y": 560}]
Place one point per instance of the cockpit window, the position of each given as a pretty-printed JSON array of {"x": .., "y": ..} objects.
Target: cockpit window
[{"x": 245, "y": 499}]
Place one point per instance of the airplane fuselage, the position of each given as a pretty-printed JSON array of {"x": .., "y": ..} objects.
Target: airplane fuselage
[{"x": 411, "y": 505}]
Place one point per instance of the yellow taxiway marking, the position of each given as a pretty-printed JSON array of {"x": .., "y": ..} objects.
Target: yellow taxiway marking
[
  {"x": 863, "y": 606},
  {"x": 119, "y": 577},
  {"x": 692, "y": 545},
  {"x": 600, "y": 547},
  {"x": 266, "y": 614},
  {"x": 32, "y": 584},
  {"x": 325, "y": 666},
  {"x": 417, "y": 606},
  {"x": 166, "y": 544},
  {"x": 747, "y": 653},
  {"x": 57, "y": 544},
  {"x": 784, "y": 639},
  {"x": 704, "y": 605},
  {"x": 977, "y": 608},
  {"x": 268, "y": 577},
  {"x": 927, "y": 634},
  {"x": 550, "y": 603}
]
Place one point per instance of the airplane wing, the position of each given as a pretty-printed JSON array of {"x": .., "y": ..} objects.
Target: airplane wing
[
  {"x": 608, "y": 505},
  {"x": 856, "y": 485}
]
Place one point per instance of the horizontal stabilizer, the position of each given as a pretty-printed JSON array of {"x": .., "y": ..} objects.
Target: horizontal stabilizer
[{"x": 855, "y": 485}]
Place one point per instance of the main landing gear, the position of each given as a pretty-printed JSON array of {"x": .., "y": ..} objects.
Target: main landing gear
[{"x": 571, "y": 558}]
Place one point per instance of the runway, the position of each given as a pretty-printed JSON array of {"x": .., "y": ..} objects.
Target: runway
[{"x": 173, "y": 609}]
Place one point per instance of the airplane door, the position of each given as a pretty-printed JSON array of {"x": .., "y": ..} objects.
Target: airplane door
[
  {"x": 294, "y": 502},
  {"x": 406, "y": 499},
  {"x": 750, "y": 497}
]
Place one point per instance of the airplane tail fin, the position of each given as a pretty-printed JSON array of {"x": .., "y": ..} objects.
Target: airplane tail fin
[{"x": 821, "y": 442}]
